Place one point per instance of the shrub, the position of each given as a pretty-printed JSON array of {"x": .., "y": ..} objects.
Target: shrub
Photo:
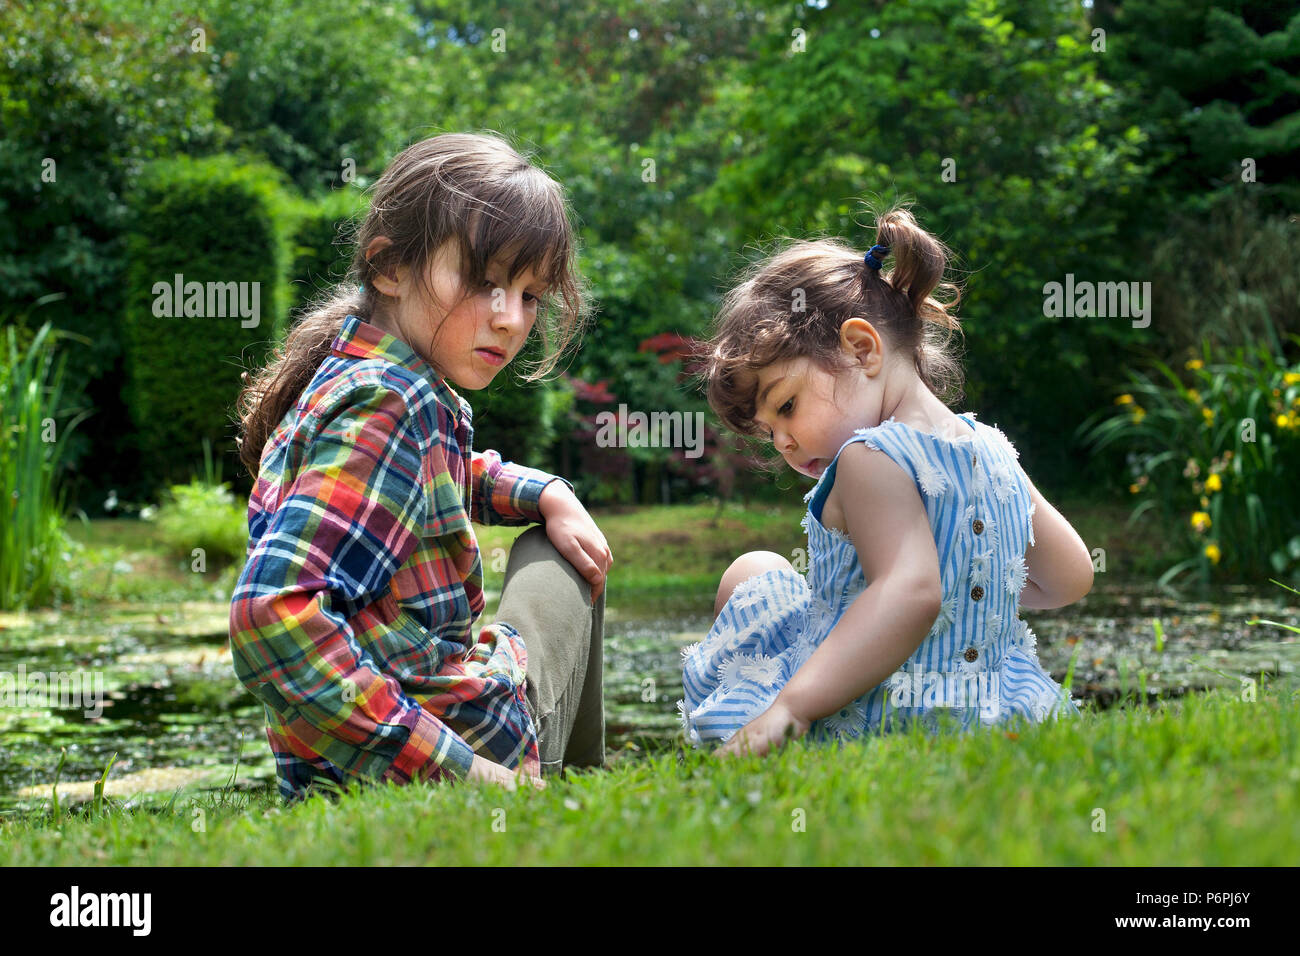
[
  {"x": 202, "y": 522},
  {"x": 1219, "y": 453},
  {"x": 321, "y": 249},
  {"x": 223, "y": 224},
  {"x": 199, "y": 515}
]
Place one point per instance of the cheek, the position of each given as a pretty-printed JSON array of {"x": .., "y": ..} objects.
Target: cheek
[{"x": 464, "y": 322}]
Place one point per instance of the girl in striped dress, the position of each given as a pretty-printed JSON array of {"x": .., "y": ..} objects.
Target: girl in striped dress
[{"x": 925, "y": 537}]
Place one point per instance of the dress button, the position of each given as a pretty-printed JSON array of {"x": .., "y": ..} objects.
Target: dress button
[
  {"x": 974, "y": 460},
  {"x": 971, "y": 654},
  {"x": 978, "y": 526},
  {"x": 976, "y": 593}
]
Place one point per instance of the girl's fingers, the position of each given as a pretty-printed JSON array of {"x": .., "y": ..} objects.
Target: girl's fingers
[{"x": 597, "y": 568}]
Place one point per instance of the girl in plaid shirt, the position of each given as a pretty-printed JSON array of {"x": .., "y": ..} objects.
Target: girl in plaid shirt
[{"x": 353, "y": 619}]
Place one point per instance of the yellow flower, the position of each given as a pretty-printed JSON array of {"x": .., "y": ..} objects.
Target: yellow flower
[
  {"x": 1283, "y": 421},
  {"x": 1208, "y": 415},
  {"x": 1213, "y": 483},
  {"x": 1200, "y": 521},
  {"x": 1124, "y": 399},
  {"x": 1194, "y": 395},
  {"x": 1291, "y": 378},
  {"x": 1212, "y": 552},
  {"x": 1194, "y": 364},
  {"x": 1133, "y": 489},
  {"x": 1139, "y": 413}
]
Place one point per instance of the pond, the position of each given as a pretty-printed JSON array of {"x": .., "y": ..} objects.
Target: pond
[{"x": 175, "y": 716}]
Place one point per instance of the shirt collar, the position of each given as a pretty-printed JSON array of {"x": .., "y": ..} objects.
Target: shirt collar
[{"x": 363, "y": 340}]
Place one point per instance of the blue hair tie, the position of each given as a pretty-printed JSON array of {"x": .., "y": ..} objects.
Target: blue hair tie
[{"x": 870, "y": 258}]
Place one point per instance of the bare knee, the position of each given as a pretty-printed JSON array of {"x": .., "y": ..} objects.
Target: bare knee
[{"x": 747, "y": 566}]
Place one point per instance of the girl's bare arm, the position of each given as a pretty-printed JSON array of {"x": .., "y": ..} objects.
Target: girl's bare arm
[
  {"x": 1060, "y": 565},
  {"x": 887, "y": 621}
]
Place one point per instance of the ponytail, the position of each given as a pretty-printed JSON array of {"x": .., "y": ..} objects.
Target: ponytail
[
  {"x": 272, "y": 390},
  {"x": 920, "y": 259}
]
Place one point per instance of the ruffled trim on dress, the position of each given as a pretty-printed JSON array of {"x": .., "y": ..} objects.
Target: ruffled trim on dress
[{"x": 718, "y": 667}]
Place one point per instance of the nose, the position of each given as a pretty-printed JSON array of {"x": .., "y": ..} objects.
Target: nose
[
  {"x": 513, "y": 316},
  {"x": 783, "y": 441}
]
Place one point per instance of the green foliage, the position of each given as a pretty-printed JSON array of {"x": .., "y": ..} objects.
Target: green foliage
[
  {"x": 1215, "y": 85},
  {"x": 32, "y": 444},
  {"x": 203, "y": 515},
  {"x": 213, "y": 221},
  {"x": 1219, "y": 454},
  {"x": 991, "y": 116},
  {"x": 683, "y": 132},
  {"x": 312, "y": 87},
  {"x": 322, "y": 249},
  {"x": 85, "y": 100},
  {"x": 1245, "y": 290}
]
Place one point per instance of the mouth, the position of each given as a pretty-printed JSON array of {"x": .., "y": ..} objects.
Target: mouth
[
  {"x": 493, "y": 356},
  {"x": 813, "y": 466}
]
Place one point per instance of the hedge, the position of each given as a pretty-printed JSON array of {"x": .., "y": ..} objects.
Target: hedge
[{"x": 224, "y": 223}]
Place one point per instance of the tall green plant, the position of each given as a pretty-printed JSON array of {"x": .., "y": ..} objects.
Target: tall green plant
[
  {"x": 32, "y": 444},
  {"x": 1216, "y": 449}
]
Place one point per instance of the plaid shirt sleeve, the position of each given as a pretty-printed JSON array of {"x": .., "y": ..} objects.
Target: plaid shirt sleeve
[
  {"x": 351, "y": 517},
  {"x": 505, "y": 493}
]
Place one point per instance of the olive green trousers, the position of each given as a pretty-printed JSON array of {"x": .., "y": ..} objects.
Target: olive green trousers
[{"x": 549, "y": 603}]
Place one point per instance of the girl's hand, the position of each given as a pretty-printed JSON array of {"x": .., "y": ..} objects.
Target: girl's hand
[
  {"x": 483, "y": 771},
  {"x": 768, "y": 731},
  {"x": 575, "y": 535}
]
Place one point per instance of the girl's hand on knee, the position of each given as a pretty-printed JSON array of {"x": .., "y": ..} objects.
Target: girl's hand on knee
[
  {"x": 575, "y": 535},
  {"x": 483, "y": 771}
]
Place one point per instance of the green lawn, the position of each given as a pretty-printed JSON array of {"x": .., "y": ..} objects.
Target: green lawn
[
  {"x": 684, "y": 546},
  {"x": 1208, "y": 780},
  {"x": 1202, "y": 780},
  {"x": 676, "y": 547}
]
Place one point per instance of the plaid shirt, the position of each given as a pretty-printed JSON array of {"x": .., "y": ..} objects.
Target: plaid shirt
[{"x": 352, "y": 619}]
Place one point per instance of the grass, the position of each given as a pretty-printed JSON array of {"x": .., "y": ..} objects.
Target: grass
[
  {"x": 31, "y": 496},
  {"x": 1203, "y": 780},
  {"x": 124, "y": 560},
  {"x": 677, "y": 547},
  {"x": 656, "y": 549},
  {"x": 689, "y": 546},
  {"x": 1208, "y": 780}
]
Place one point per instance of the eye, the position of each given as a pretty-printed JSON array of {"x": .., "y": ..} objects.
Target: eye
[
  {"x": 788, "y": 406},
  {"x": 488, "y": 286}
]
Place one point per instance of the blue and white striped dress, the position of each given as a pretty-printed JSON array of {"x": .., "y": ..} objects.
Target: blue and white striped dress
[{"x": 978, "y": 661}]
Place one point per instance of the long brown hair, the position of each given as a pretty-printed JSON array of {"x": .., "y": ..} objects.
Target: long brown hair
[
  {"x": 792, "y": 305},
  {"x": 472, "y": 190}
]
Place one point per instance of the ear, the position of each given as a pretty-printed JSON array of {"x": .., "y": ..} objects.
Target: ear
[
  {"x": 386, "y": 283},
  {"x": 863, "y": 343}
]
